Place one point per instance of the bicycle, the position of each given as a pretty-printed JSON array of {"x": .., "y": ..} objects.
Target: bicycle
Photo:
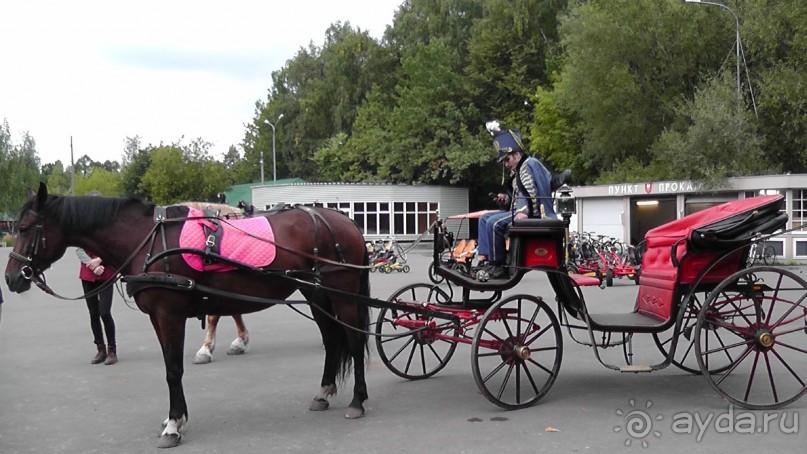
[{"x": 761, "y": 252}]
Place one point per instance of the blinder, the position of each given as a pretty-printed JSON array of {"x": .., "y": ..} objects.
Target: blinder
[{"x": 28, "y": 270}]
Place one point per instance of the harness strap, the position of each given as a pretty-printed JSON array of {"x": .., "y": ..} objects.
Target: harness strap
[
  {"x": 213, "y": 235},
  {"x": 317, "y": 215}
]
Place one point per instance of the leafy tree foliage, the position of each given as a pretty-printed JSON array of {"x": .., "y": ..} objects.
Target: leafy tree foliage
[
  {"x": 19, "y": 167},
  {"x": 180, "y": 174}
]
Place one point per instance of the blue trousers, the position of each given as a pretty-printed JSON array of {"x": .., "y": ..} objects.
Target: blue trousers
[{"x": 492, "y": 228}]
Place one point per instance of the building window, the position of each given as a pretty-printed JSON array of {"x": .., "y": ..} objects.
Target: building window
[
  {"x": 385, "y": 218},
  {"x": 801, "y": 249},
  {"x": 799, "y": 217}
]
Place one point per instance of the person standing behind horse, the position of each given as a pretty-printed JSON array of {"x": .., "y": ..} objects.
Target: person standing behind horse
[{"x": 93, "y": 275}]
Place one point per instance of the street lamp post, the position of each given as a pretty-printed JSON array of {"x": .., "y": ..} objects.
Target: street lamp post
[
  {"x": 274, "y": 155},
  {"x": 737, "y": 42}
]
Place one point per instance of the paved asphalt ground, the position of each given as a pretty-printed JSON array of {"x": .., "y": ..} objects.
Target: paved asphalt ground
[{"x": 53, "y": 401}]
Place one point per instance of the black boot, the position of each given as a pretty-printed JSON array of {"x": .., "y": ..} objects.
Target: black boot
[
  {"x": 112, "y": 355},
  {"x": 100, "y": 356}
]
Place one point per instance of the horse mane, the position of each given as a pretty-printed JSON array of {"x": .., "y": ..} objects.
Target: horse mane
[{"x": 87, "y": 213}]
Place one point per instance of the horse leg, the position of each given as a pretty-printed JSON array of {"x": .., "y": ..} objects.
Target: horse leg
[
  {"x": 241, "y": 343},
  {"x": 170, "y": 331},
  {"x": 205, "y": 354},
  {"x": 328, "y": 383}
]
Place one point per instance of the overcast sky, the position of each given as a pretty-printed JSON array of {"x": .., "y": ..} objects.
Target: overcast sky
[{"x": 101, "y": 71}]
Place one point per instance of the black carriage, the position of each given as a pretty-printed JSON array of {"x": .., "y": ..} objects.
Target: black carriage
[{"x": 743, "y": 328}]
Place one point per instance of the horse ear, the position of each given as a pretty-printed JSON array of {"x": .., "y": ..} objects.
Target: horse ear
[{"x": 42, "y": 195}]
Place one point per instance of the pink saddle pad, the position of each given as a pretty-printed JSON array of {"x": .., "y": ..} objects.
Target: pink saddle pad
[{"x": 237, "y": 242}]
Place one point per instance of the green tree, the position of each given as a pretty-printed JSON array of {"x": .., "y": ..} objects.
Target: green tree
[
  {"x": 627, "y": 66},
  {"x": 137, "y": 163},
  {"x": 100, "y": 180},
  {"x": 183, "y": 174},
  {"x": 720, "y": 142},
  {"x": 319, "y": 92},
  {"x": 19, "y": 166},
  {"x": 508, "y": 51},
  {"x": 57, "y": 179}
]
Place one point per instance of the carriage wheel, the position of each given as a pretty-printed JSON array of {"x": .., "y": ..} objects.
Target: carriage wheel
[
  {"x": 685, "y": 357},
  {"x": 418, "y": 354},
  {"x": 516, "y": 352},
  {"x": 764, "y": 314}
]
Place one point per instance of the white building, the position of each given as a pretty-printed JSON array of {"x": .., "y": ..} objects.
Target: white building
[{"x": 381, "y": 210}]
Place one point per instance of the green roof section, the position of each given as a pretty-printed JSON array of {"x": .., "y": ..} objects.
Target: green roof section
[{"x": 244, "y": 191}]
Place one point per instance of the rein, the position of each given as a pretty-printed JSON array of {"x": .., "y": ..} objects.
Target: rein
[{"x": 38, "y": 277}]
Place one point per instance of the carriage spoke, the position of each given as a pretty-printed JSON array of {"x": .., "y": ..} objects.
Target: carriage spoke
[
  {"x": 400, "y": 350},
  {"x": 751, "y": 375},
  {"x": 540, "y": 366},
  {"x": 494, "y": 372},
  {"x": 786, "y": 345},
  {"x": 770, "y": 377},
  {"x": 734, "y": 366},
  {"x": 789, "y": 369},
  {"x": 506, "y": 380},
  {"x": 532, "y": 380},
  {"x": 537, "y": 335},
  {"x": 793, "y": 306}
]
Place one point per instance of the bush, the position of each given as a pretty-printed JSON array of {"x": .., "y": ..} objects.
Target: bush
[{"x": 7, "y": 240}]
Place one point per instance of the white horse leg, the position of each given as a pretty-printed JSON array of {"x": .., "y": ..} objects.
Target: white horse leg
[
  {"x": 170, "y": 435},
  {"x": 205, "y": 354},
  {"x": 241, "y": 343},
  {"x": 320, "y": 402}
]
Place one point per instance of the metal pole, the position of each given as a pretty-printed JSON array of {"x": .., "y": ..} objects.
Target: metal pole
[
  {"x": 274, "y": 155},
  {"x": 261, "y": 167}
]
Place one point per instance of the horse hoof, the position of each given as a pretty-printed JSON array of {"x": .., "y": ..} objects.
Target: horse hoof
[
  {"x": 169, "y": 440},
  {"x": 202, "y": 359},
  {"x": 238, "y": 347},
  {"x": 319, "y": 404},
  {"x": 354, "y": 413}
]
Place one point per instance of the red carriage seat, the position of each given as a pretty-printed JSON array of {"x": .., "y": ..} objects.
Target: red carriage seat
[{"x": 680, "y": 251}]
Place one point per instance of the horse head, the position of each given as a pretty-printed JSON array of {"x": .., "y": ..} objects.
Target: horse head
[{"x": 38, "y": 242}]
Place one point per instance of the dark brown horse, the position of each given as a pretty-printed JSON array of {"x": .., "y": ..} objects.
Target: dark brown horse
[{"x": 312, "y": 245}]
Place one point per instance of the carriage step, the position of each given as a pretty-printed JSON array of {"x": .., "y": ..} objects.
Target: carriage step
[{"x": 635, "y": 368}]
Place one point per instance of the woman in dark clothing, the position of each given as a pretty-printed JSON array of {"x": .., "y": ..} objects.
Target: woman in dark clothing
[{"x": 93, "y": 275}]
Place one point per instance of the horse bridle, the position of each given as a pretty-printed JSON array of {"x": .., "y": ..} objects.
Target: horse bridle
[{"x": 28, "y": 270}]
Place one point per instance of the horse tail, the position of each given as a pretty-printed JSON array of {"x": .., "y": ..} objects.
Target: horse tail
[
  {"x": 363, "y": 307},
  {"x": 340, "y": 336}
]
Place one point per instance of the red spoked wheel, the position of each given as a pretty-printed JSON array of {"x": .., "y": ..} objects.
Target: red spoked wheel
[
  {"x": 516, "y": 352},
  {"x": 763, "y": 313},
  {"x": 408, "y": 343}
]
